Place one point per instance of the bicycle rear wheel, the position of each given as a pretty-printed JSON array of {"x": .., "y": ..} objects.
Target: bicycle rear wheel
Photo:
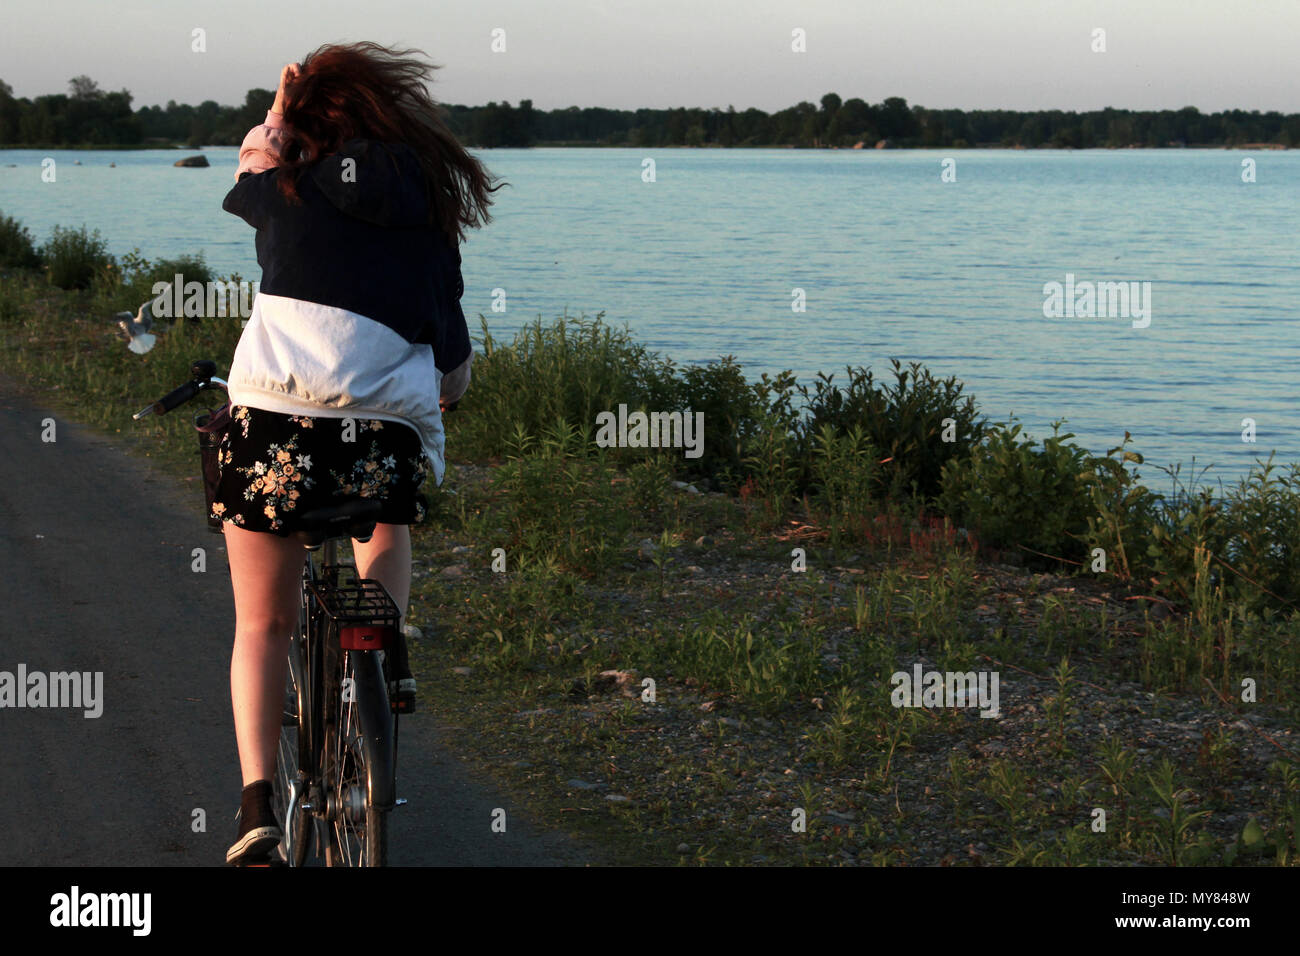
[{"x": 358, "y": 768}]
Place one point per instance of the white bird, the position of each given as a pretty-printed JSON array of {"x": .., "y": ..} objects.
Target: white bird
[{"x": 139, "y": 339}]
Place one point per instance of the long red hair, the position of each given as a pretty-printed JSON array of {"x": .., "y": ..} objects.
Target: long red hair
[{"x": 367, "y": 91}]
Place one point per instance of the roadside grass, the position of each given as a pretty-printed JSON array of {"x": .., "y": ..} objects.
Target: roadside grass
[{"x": 769, "y": 609}]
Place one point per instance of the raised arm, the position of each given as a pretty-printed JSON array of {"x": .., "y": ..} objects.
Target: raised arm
[{"x": 263, "y": 147}]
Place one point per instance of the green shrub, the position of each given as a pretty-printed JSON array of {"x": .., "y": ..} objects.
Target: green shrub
[
  {"x": 902, "y": 420},
  {"x": 74, "y": 258},
  {"x": 844, "y": 473},
  {"x": 128, "y": 283},
  {"x": 1125, "y": 512},
  {"x": 1251, "y": 532},
  {"x": 567, "y": 371},
  {"x": 1014, "y": 492},
  {"x": 1188, "y": 523},
  {"x": 772, "y": 465},
  {"x": 1261, "y": 525},
  {"x": 191, "y": 268},
  {"x": 16, "y": 247},
  {"x": 732, "y": 409}
]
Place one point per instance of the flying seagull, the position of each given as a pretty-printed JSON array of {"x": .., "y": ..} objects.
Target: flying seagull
[{"x": 139, "y": 339}]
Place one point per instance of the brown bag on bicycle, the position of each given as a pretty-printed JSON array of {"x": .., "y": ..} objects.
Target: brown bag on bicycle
[{"x": 212, "y": 427}]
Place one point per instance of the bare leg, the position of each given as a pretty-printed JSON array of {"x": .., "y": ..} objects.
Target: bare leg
[
  {"x": 265, "y": 572},
  {"x": 386, "y": 557}
]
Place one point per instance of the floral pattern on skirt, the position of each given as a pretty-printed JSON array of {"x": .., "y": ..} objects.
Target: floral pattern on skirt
[{"x": 275, "y": 466}]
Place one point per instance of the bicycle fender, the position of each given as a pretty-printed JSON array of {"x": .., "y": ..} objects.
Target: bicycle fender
[{"x": 376, "y": 720}]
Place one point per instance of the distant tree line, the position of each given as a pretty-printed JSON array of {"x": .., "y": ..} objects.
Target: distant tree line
[{"x": 87, "y": 115}]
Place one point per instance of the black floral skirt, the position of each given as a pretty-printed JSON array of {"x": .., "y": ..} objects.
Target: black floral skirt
[{"x": 275, "y": 466}]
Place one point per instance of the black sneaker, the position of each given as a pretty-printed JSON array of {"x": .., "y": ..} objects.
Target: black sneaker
[
  {"x": 401, "y": 685},
  {"x": 259, "y": 834}
]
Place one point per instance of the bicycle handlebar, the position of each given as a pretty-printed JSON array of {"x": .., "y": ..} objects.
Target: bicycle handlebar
[
  {"x": 202, "y": 370},
  {"x": 177, "y": 396}
]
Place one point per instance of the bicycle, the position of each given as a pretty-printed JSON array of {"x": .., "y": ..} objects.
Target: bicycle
[{"x": 336, "y": 763}]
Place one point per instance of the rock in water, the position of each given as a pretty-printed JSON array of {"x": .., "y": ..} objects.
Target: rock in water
[{"x": 199, "y": 160}]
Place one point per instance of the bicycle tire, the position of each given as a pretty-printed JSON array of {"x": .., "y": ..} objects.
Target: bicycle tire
[
  {"x": 295, "y": 824},
  {"x": 357, "y": 760}
]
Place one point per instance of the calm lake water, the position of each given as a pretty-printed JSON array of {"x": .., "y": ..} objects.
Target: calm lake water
[{"x": 893, "y": 262}]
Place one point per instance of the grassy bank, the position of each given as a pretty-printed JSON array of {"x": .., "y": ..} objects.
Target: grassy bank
[{"x": 830, "y": 535}]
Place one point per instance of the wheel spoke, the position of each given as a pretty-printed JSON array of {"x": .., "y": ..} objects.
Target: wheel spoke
[{"x": 347, "y": 777}]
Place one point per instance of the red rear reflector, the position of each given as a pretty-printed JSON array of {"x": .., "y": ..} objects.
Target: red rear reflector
[{"x": 364, "y": 637}]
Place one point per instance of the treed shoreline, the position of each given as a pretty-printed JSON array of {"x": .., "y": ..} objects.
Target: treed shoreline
[{"x": 89, "y": 117}]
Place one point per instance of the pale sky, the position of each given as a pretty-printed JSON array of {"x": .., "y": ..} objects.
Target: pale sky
[{"x": 969, "y": 54}]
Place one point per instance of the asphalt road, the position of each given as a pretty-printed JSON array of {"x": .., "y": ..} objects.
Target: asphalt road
[{"x": 95, "y": 572}]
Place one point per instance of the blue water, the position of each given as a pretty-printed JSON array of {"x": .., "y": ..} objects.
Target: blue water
[{"x": 893, "y": 262}]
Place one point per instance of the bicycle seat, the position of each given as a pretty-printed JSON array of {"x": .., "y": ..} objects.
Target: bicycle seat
[{"x": 352, "y": 519}]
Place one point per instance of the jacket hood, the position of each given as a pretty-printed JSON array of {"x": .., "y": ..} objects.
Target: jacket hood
[{"x": 381, "y": 183}]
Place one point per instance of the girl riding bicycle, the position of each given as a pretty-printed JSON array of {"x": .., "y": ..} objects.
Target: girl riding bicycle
[{"x": 360, "y": 196}]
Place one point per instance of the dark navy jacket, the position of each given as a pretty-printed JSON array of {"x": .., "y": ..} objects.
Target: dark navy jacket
[{"x": 358, "y": 313}]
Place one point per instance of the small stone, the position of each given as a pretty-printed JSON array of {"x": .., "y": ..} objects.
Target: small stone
[
  {"x": 535, "y": 713},
  {"x": 617, "y": 798},
  {"x": 704, "y": 541},
  {"x": 580, "y": 784},
  {"x": 461, "y": 549},
  {"x": 646, "y": 549},
  {"x": 462, "y": 671},
  {"x": 730, "y": 722},
  {"x": 412, "y": 632},
  {"x": 683, "y": 848},
  {"x": 694, "y": 569},
  {"x": 454, "y": 571}
]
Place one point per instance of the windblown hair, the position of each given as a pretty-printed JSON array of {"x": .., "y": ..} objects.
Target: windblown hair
[{"x": 368, "y": 91}]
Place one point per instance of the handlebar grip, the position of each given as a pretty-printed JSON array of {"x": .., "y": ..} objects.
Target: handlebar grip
[{"x": 177, "y": 396}]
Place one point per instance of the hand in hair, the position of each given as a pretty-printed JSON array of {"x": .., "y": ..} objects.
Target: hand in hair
[{"x": 287, "y": 76}]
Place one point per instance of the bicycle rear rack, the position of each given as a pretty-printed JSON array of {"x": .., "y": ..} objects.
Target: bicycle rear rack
[{"x": 359, "y": 609}]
